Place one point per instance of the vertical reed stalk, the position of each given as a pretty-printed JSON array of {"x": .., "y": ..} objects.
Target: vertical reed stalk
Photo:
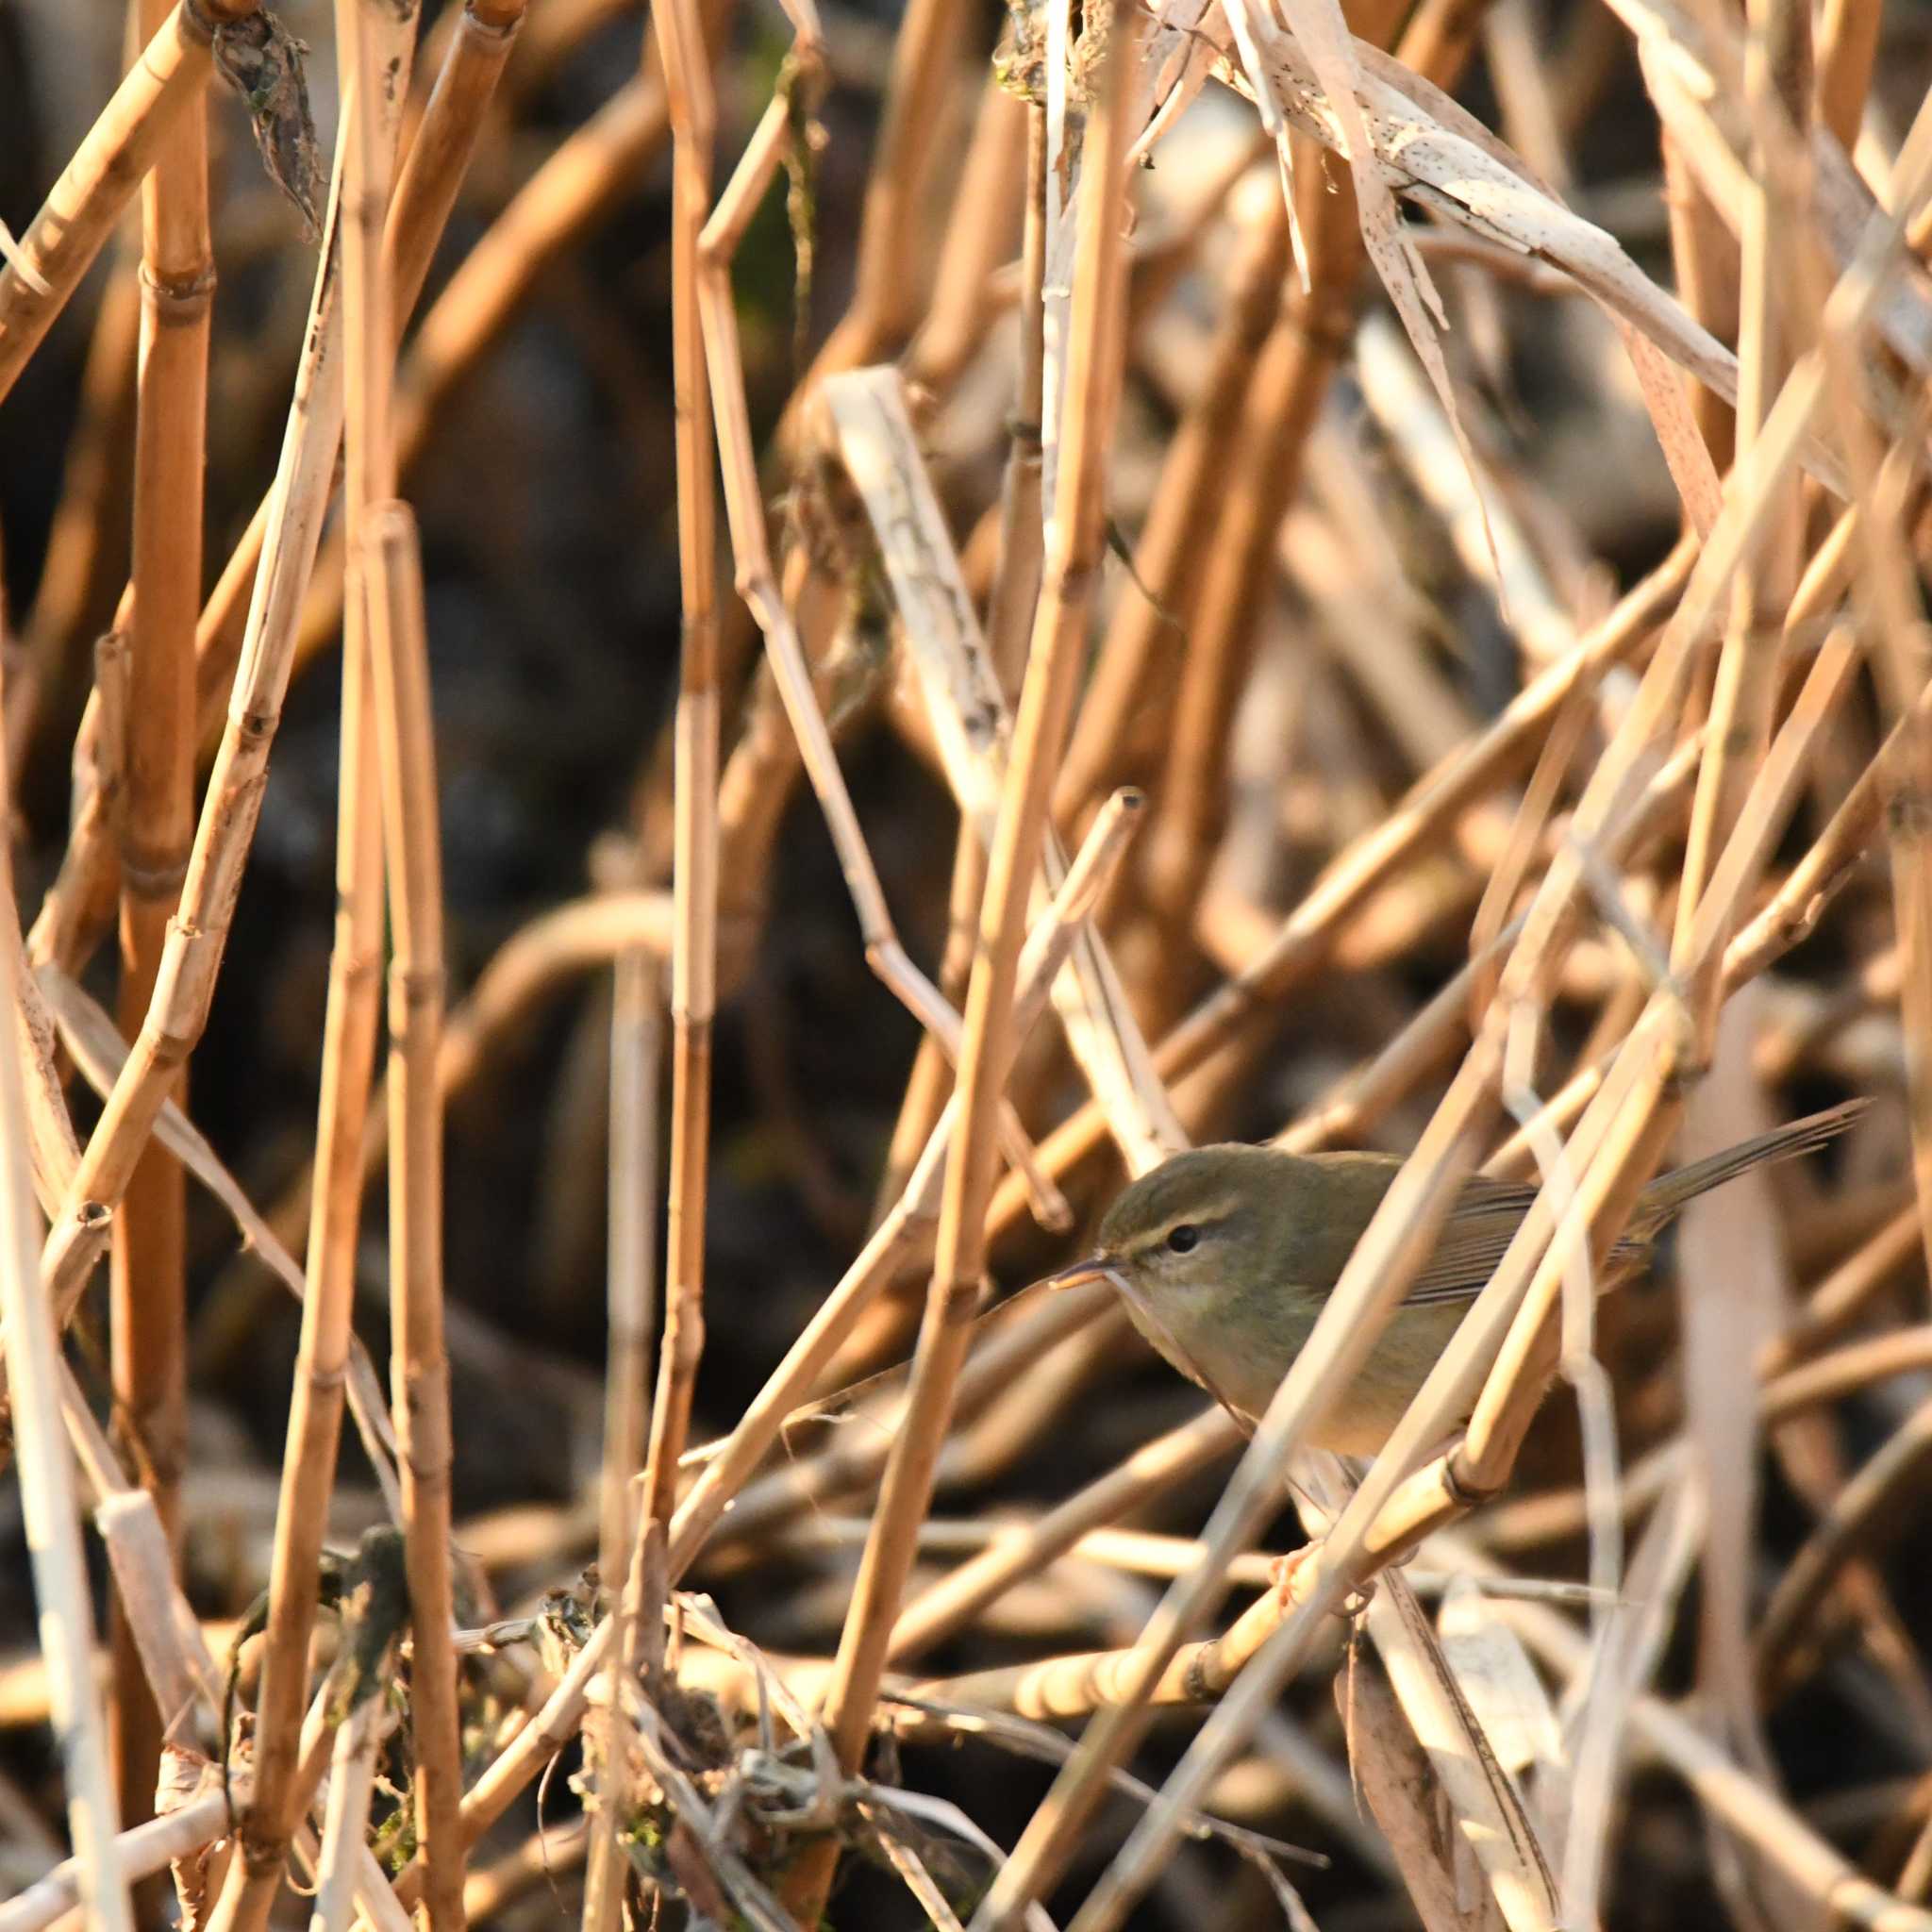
[
  {"x": 47, "y": 1491},
  {"x": 1053, "y": 665},
  {"x": 291, "y": 523},
  {"x": 695, "y": 941},
  {"x": 156, "y": 764}
]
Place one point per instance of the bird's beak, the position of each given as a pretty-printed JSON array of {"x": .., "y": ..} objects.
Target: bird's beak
[{"x": 1095, "y": 1268}]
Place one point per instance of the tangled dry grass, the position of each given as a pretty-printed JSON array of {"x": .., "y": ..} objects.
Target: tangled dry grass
[{"x": 1343, "y": 573}]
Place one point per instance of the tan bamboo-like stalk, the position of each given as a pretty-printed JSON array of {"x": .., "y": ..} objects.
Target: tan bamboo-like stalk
[
  {"x": 954, "y": 1601},
  {"x": 635, "y": 1052},
  {"x": 382, "y": 539},
  {"x": 148, "y": 1296},
  {"x": 439, "y": 156},
  {"x": 83, "y": 206},
  {"x": 1746, "y": 686},
  {"x": 47, "y": 1487},
  {"x": 885, "y": 303},
  {"x": 413, "y": 852},
  {"x": 1289, "y": 380},
  {"x": 351, "y": 1785},
  {"x": 694, "y": 934},
  {"x": 348, "y": 1040},
  {"x": 1174, "y": 550},
  {"x": 1848, "y": 48},
  {"x": 1046, "y": 699},
  {"x": 1016, "y": 586}
]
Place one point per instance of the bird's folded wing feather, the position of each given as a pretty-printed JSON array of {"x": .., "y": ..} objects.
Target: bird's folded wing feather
[{"x": 1474, "y": 1239}]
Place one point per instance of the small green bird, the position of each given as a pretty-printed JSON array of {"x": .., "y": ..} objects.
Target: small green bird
[{"x": 1225, "y": 1255}]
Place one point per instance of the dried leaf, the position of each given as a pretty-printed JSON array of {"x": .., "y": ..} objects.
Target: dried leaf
[{"x": 262, "y": 61}]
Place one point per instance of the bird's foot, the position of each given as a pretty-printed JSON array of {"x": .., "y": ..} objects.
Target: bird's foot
[{"x": 1294, "y": 1576}]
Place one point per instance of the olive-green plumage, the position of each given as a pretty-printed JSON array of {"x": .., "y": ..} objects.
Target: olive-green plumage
[{"x": 1225, "y": 1256}]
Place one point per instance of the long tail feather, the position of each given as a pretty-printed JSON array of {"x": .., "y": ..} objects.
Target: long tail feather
[{"x": 1662, "y": 1199}]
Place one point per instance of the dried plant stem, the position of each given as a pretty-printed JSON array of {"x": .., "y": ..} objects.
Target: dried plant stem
[
  {"x": 1173, "y": 550},
  {"x": 400, "y": 661},
  {"x": 694, "y": 937},
  {"x": 383, "y": 543},
  {"x": 156, "y": 760},
  {"x": 949, "y": 1604},
  {"x": 887, "y": 299},
  {"x": 634, "y": 1079},
  {"x": 348, "y": 1040},
  {"x": 1046, "y": 699},
  {"x": 48, "y": 1489},
  {"x": 351, "y": 1784},
  {"x": 80, "y": 212},
  {"x": 1291, "y": 378}
]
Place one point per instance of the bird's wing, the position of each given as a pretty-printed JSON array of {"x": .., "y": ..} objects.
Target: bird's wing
[{"x": 1474, "y": 1238}]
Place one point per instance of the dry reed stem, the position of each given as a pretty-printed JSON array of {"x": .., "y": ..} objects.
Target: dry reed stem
[
  {"x": 952, "y": 1603},
  {"x": 636, "y": 1050},
  {"x": 88, "y": 533},
  {"x": 81, "y": 209},
  {"x": 154, "y": 758},
  {"x": 1291, "y": 379},
  {"x": 444, "y": 141},
  {"x": 173, "y": 1642},
  {"x": 887, "y": 297},
  {"x": 420, "y": 1370},
  {"x": 680, "y": 43},
  {"x": 992, "y": 191},
  {"x": 354, "y": 989},
  {"x": 1172, "y": 550},
  {"x": 140, "y": 1852},
  {"x": 1073, "y": 544},
  {"x": 47, "y": 1493}
]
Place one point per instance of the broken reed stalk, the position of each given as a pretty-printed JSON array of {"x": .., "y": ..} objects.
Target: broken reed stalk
[
  {"x": 156, "y": 764},
  {"x": 687, "y": 63}
]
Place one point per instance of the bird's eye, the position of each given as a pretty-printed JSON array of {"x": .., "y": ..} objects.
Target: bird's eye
[{"x": 1185, "y": 1238}]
